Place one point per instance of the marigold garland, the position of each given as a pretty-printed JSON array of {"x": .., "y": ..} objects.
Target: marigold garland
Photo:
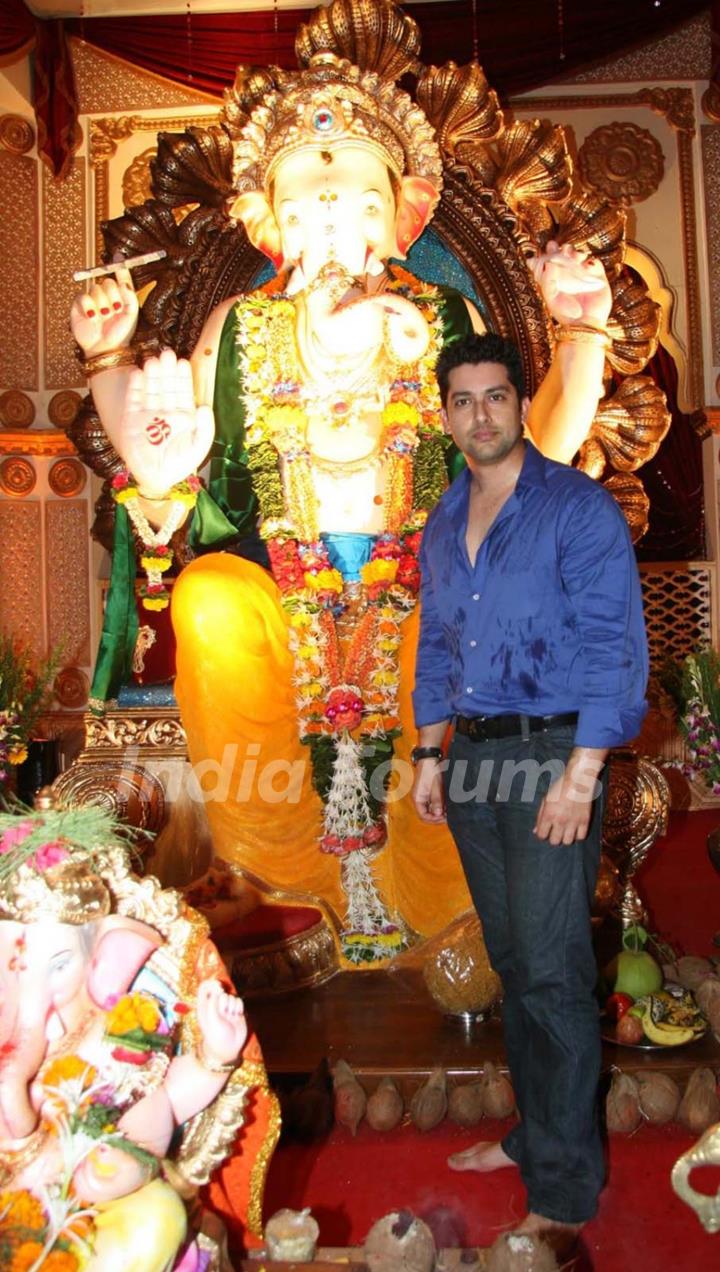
[
  {"x": 156, "y": 554},
  {"x": 347, "y": 705}
]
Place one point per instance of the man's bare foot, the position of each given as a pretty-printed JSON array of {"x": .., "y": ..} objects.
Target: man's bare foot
[
  {"x": 561, "y": 1237},
  {"x": 483, "y": 1157}
]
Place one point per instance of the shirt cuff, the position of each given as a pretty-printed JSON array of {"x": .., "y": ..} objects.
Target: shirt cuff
[
  {"x": 605, "y": 727},
  {"x": 429, "y": 710}
]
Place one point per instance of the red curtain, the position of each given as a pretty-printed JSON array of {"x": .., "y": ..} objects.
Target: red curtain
[{"x": 521, "y": 44}]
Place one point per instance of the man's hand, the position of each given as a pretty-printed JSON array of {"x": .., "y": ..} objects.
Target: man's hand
[
  {"x": 428, "y": 796},
  {"x": 565, "y": 813}
]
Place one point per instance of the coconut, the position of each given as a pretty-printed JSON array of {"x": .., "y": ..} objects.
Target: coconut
[
  {"x": 466, "y": 1104},
  {"x": 498, "y": 1095},
  {"x": 622, "y": 1107},
  {"x": 350, "y": 1098},
  {"x": 521, "y": 1252},
  {"x": 385, "y": 1106},
  {"x": 429, "y": 1103},
  {"x": 399, "y": 1243},
  {"x": 692, "y": 971},
  {"x": 700, "y": 1106},
  {"x": 659, "y": 1097}
]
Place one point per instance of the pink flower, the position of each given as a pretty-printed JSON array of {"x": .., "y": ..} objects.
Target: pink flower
[
  {"x": 15, "y": 835},
  {"x": 50, "y": 855}
]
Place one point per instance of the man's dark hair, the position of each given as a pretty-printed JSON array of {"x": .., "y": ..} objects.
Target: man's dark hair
[{"x": 474, "y": 349}]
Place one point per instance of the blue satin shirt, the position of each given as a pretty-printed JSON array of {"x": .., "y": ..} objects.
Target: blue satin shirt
[{"x": 548, "y": 620}]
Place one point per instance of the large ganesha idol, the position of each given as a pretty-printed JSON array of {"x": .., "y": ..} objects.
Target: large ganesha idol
[
  {"x": 296, "y": 622},
  {"x": 127, "y": 1074}
]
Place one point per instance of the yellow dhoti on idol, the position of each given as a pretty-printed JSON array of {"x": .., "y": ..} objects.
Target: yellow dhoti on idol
[{"x": 235, "y": 692}]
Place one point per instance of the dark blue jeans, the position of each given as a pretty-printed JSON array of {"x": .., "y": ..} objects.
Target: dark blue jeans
[{"x": 534, "y": 901}]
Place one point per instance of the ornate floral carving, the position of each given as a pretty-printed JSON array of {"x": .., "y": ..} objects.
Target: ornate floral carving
[
  {"x": 160, "y": 731},
  {"x": 17, "y": 410},
  {"x": 21, "y": 572},
  {"x": 67, "y": 477},
  {"x": 71, "y": 688},
  {"x": 637, "y": 813},
  {"x": 47, "y": 442},
  {"x": 17, "y": 477},
  {"x": 461, "y": 107},
  {"x": 623, "y": 161},
  {"x": 16, "y": 134},
  {"x": 68, "y": 598},
  {"x": 107, "y": 133},
  {"x": 631, "y": 425},
  {"x": 63, "y": 204},
  {"x": 136, "y": 184},
  {"x": 295, "y": 963},
  {"x": 63, "y": 408},
  {"x": 629, "y": 492},
  {"x": 20, "y": 276},
  {"x": 375, "y": 37}
]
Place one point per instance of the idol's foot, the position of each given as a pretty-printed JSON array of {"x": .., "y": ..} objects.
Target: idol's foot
[
  {"x": 483, "y": 1157},
  {"x": 561, "y": 1237}
]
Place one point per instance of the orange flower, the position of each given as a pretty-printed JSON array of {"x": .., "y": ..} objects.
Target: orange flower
[
  {"x": 133, "y": 1011},
  {"x": 25, "y": 1255},
  {"x": 23, "y": 1210},
  {"x": 66, "y": 1068},
  {"x": 61, "y": 1261}
]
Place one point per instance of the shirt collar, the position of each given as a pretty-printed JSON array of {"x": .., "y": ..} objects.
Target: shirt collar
[{"x": 532, "y": 473}]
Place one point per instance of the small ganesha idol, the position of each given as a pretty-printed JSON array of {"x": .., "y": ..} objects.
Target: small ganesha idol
[{"x": 127, "y": 1075}]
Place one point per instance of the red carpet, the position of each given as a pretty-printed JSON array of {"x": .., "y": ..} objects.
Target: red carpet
[{"x": 349, "y": 1183}]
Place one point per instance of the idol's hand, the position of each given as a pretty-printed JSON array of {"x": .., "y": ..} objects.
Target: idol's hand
[
  {"x": 574, "y": 285},
  {"x": 104, "y": 318},
  {"x": 164, "y": 436}
]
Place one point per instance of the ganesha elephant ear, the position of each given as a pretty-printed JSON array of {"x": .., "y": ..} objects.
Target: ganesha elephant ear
[
  {"x": 262, "y": 229},
  {"x": 416, "y": 204},
  {"x": 122, "y": 949}
]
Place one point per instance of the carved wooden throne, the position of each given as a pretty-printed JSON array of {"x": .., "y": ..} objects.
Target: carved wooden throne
[{"x": 508, "y": 188}]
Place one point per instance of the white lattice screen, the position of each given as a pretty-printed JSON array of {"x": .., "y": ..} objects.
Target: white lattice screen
[{"x": 678, "y": 608}]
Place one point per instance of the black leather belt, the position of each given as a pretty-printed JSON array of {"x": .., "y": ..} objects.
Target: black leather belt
[{"x": 484, "y": 728}]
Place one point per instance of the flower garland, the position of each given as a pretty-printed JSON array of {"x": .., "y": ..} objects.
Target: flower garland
[
  {"x": 347, "y": 700},
  {"x": 156, "y": 554}
]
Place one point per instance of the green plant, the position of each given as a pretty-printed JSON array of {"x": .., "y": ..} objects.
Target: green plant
[
  {"x": 694, "y": 686},
  {"x": 25, "y": 692}
]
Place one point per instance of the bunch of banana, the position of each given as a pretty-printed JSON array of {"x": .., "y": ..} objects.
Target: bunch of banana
[{"x": 670, "y": 1020}]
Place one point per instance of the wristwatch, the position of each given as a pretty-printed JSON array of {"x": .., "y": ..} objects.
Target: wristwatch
[{"x": 425, "y": 753}]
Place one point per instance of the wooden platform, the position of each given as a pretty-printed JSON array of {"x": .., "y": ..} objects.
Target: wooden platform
[
  {"x": 385, "y": 1023},
  {"x": 351, "y": 1260}
]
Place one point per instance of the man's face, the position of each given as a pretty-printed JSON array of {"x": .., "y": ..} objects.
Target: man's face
[{"x": 483, "y": 414}]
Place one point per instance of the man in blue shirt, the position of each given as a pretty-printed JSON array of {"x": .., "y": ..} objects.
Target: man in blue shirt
[{"x": 532, "y": 643}]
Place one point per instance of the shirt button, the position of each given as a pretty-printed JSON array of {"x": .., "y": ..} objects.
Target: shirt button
[
  {"x": 469, "y": 689},
  {"x": 473, "y": 643},
  {"x": 476, "y": 596}
]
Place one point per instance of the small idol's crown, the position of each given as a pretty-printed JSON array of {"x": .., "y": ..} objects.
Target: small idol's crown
[
  {"x": 279, "y": 113},
  {"x": 51, "y": 864}
]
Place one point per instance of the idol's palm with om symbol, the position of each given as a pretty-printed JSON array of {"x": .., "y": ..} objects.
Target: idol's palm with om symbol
[{"x": 165, "y": 435}]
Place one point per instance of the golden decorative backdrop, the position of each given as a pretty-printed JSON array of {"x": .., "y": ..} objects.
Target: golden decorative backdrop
[
  {"x": 16, "y": 134},
  {"x": 66, "y": 578},
  {"x": 63, "y": 408},
  {"x": 17, "y": 410},
  {"x": 67, "y": 477},
  {"x": 19, "y": 277},
  {"x": 622, "y": 161},
  {"x": 17, "y": 477},
  {"x": 63, "y": 211}
]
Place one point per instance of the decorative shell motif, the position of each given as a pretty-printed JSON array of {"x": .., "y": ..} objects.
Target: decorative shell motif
[
  {"x": 534, "y": 163},
  {"x": 252, "y": 83},
  {"x": 592, "y": 459},
  {"x": 592, "y": 225},
  {"x": 461, "y": 107},
  {"x": 629, "y": 492},
  {"x": 372, "y": 34},
  {"x": 194, "y": 168},
  {"x": 632, "y": 424},
  {"x": 634, "y": 325}
]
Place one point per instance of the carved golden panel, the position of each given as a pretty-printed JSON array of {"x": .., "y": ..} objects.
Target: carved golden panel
[
  {"x": 160, "y": 731},
  {"x": 136, "y": 179},
  {"x": 106, "y": 83},
  {"x": 17, "y": 477},
  {"x": 67, "y": 586},
  {"x": 622, "y": 161},
  {"x": 710, "y": 139},
  {"x": 63, "y": 408},
  {"x": 37, "y": 441},
  {"x": 17, "y": 410},
  {"x": 67, "y": 477},
  {"x": 21, "y": 575},
  {"x": 19, "y": 277},
  {"x": 63, "y": 251},
  {"x": 16, "y": 134},
  {"x": 684, "y": 54}
]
